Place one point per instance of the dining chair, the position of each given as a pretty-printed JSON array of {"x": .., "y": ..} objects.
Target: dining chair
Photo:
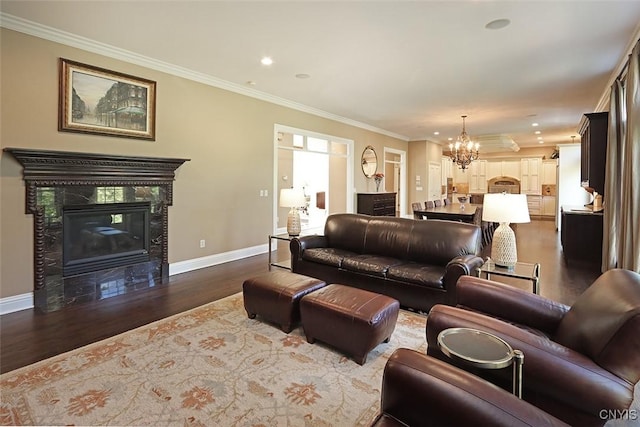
[
  {"x": 429, "y": 204},
  {"x": 438, "y": 203},
  {"x": 445, "y": 202}
]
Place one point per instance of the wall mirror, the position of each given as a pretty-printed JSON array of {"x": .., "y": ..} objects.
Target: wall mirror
[{"x": 369, "y": 161}]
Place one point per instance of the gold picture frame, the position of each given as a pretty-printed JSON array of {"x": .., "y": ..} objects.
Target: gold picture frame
[{"x": 98, "y": 101}]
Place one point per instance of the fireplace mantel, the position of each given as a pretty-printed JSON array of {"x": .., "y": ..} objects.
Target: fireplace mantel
[
  {"x": 43, "y": 168},
  {"x": 72, "y": 178}
]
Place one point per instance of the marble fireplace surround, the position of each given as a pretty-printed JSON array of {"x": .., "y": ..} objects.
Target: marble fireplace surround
[{"x": 54, "y": 179}]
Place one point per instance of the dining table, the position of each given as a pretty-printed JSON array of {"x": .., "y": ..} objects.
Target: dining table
[{"x": 454, "y": 212}]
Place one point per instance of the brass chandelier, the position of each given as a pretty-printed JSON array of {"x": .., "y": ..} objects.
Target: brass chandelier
[{"x": 464, "y": 151}]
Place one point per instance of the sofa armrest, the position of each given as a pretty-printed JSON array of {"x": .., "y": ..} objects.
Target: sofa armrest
[
  {"x": 510, "y": 303},
  {"x": 466, "y": 264},
  {"x": 457, "y": 267},
  {"x": 299, "y": 244},
  {"x": 418, "y": 390}
]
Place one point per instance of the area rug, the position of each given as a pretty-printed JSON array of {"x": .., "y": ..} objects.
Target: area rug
[{"x": 210, "y": 366}]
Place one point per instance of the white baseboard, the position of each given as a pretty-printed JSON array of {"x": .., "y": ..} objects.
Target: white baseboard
[
  {"x": 16, "y": 303},
  {"x": 25, "y": 301},
  {"x": 211, "y": 260}
]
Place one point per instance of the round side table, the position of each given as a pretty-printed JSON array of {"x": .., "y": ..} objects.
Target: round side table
[{"x": 483, "y": 350}]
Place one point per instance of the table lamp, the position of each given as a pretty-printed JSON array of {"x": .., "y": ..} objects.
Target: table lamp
[
  {"x": 292, "y": 198},
  {"x": 505, "y": 208}
]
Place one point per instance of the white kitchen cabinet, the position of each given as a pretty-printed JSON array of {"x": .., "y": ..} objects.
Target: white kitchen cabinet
[
  {"x": 549, "y": 205},
  {"x": 496, "y": 168},
  {"x": 530, "y": 176},
  {"x": 478, "y": 176},
  {"x": 511, "y": 168},
  {"x": 535, "y": 205},
  {"x": 549, "y": 172},
  {"x": 447, "y": 169},
  {"x": 460, "y": 176}
]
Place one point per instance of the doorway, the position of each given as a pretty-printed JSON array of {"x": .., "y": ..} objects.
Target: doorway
[
  {"x": 395, "y": 172},
  {"x": 435, "y": 181},
  {"x": 321, "y": 166}
]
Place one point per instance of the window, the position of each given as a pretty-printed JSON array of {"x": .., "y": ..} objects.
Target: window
[{"x": 109, "y": 195}]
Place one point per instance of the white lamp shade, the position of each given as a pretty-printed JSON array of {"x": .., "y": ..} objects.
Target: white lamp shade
[
  {"x": 292, "y": 198},
  {"x": 503, "y": 207}
]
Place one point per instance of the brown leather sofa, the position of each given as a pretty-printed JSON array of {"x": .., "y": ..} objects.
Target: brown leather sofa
[
  {"x": 417, "y": 262},
  {"x": 580, "y": 362},
  {"x": 418, "y": 390}
]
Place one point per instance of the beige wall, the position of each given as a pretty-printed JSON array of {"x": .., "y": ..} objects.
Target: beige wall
[
  {"x": 227, "y": 136},
  {"x": 421, "y": 153},
  {"x": 417, "y": 159}
]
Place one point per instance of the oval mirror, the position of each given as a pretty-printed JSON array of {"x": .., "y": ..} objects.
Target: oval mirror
[{"x": 369, "y": 161}]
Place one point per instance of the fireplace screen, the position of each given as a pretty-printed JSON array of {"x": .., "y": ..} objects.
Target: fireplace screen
[{"x": 104, "y": 236}]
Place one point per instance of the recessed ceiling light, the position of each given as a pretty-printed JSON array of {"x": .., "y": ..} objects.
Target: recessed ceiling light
[
  {"x": 436, "y": 133},
  {"x": 541, "y": 142},
  {"x": 534, "y": 124},
  {"x": 266, "y": 61},
  {"x": 251, "y": 83},
  {"x": 497, "y": 24},
  {"x": 449, "y": 139},
  {"x": 537, "y": 132},
  {"x": 539, "y": 138}
]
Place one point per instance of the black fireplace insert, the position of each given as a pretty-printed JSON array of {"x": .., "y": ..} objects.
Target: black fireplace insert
[{"x": 102, "y": 236}]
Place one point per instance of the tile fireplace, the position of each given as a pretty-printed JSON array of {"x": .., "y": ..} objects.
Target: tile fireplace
[{"x": 100, "y": 223}]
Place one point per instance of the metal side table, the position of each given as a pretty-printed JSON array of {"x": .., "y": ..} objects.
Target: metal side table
[
  {"x": 482, "y": 350},
  {"x": 522, "y": 270}
]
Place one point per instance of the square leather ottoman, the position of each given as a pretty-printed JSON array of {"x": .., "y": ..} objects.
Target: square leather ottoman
[
  {"x": 275, "y": 296},
  {"x": 352, "y": 320}
]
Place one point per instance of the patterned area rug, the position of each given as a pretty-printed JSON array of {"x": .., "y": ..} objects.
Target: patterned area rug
[{"x": 208, "y": 366}]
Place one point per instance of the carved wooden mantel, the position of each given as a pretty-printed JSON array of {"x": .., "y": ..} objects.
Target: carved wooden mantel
[
  {"x": 58, "y": 169},
  {"x": 44, "y": 168}
]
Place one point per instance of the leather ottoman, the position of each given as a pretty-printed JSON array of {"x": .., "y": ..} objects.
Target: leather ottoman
[
  {"x": 352, "y": 320},
  {"x": 275, "y": 296}
]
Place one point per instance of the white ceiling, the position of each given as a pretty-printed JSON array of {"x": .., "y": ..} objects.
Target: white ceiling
[{"x": 408, "y": 68}]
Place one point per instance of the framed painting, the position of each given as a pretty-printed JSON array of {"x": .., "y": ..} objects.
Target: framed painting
[{"x": 103, "y": 102}]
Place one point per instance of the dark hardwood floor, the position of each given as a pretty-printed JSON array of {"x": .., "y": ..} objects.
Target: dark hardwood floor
[{"x": 28, "y": 336}]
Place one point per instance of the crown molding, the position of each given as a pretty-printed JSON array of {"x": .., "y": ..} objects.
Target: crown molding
[
  {"x": 52, "y": 34},
  {"x": 605, "y": 99}
]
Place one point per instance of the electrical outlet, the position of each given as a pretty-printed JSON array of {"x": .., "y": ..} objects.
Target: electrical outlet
[{"x": 202, "y": 243}]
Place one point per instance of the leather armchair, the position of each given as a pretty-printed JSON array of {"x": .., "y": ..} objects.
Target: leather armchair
[
  {"x": 418, "y": 390},
  {"x": 581, "y": 362}
]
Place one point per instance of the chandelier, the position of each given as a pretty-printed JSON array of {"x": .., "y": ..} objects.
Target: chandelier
[{"x": 464, "y": 151}]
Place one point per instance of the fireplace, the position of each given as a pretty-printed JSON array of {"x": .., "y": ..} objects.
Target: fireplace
[
  {"x": 96, "y": 237},
  {"x": 100, "y": 223}
]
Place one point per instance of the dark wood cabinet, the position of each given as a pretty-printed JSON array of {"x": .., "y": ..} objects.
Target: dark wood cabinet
[
  {"x": 377, "y": 204},
  {"x": 581, "y": 235},
  {"x": 594, "y": 134}
]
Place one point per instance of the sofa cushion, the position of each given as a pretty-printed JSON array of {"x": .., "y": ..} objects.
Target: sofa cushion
[
  {"x": 388, "y": 237},
  {"x": 369, "y": 264},
  {"x": 419, "y": 274},
  {"x": 604, "y": 322},
  {"x": 438, "y": 242},
  {"x": 328, "y": 256},
  {"x": 346, "y": 231}
]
